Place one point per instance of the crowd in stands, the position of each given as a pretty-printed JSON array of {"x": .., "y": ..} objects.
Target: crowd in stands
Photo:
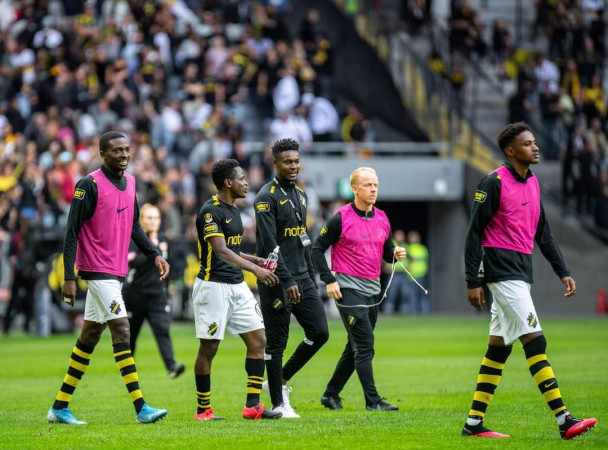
[
  {"x": 563, "y": 85},
  {"x": 188, "y": 82},
  {"x": 560, "y": 90}
]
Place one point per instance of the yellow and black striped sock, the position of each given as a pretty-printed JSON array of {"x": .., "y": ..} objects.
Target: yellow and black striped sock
[
  {"x": 79, "y": 361},
  {"x": 255, "y": 376},
  {"x": 203, "y": 392},
  {"x": 543, "y": 375},
  {"x": 488, "y": 379},
  {"x": 126, "y": 365}
]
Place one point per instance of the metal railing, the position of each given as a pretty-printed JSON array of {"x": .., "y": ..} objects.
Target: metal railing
[{"x": 363, "y": 149}]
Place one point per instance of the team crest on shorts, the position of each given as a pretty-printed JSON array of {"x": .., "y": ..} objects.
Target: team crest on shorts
[
  {"x": 212, "y": 329},
  {"x": 115, "y": 307},
  {"x": 532, "y": 320}
]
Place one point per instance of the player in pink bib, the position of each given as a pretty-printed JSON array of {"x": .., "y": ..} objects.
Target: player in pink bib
[{"x": 507, "y": 218}]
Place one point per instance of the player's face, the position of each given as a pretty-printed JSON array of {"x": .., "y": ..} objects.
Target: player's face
[
  {"x": 238, "y": 185},
  {"x": 150, "y": 220},
  {"x": 287, "y": 165},
  {"x": 116, "y": 158},
  {"x": 524, "y": 149},
  {"x": 366, "y": 188}
]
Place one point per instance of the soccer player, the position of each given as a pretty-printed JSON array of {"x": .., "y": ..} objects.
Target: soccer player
[
  {"x": 220, "y": 296},
  {"x": 280, "y": 211},
  {"x": 359, "y": 235},
  {"x": 146, "y": 296},
  {"x": 507, "y": 218},
  {"x": 103, "y": 218}
]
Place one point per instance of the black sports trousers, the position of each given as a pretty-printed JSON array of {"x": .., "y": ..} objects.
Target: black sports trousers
[
  {"x": 154, "y": 308},
  {"x": 359, "y": 351},
  {"x": 309, "y": 313}
]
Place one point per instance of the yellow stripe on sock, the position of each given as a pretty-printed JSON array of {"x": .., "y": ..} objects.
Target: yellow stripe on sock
[
  {"x": 558, "y": 410},
  {"x": 254, "y": 378},
  {"x": 125, "y": 363},
  {"x": 552, "y": 394},
  {"x": 482, "y": 397},
  {"x": 543, "y": 374},
  {"x": 81, "y": 353},
  {"x": 76, "y": 365},
  {"x": 533, "y": 360},
  {"x": 493, "y": 364},
  {"x": 493, "y": 379},
  {"x": 136, "y": 394},
  {"x": 130, "y": 378},
  {"x": 63, "y": 397},
  {"x": 473, "y": 412},
  {"x": 69, "y": 379},
  {"x": 251, "y": 390},
  {"x": 124, "y": 352}
]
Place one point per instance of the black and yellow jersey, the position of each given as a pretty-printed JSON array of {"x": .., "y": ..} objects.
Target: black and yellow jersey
[
  {"x": 217, "y": 218},
  {"x": 280, "y": 213}
]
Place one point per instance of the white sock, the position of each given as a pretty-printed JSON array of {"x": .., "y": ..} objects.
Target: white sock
[{"x": 473, "y": 421}]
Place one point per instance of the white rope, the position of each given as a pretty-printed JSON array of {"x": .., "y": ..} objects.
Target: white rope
[{"x": 390, "y": 280}]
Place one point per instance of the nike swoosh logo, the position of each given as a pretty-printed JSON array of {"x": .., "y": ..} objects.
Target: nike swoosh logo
[
  {"x": 228, "y": 220},
  {"x": 121, "y": 209},
  {"x": 547, "y": 385},
  {"x": 525, "y": 203},
  {"x": 282, "y": 202}
]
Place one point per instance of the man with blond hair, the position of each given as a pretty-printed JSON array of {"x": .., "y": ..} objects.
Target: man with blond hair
[{"x": 359, "y": 235}]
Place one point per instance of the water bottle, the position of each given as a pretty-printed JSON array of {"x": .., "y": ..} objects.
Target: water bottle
[{"x": 273, "y": 258}]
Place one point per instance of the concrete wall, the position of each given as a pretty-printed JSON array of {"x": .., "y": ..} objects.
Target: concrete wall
[{"x": 402, "y": 178}]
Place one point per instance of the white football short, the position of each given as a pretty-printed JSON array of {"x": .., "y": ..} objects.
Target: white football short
[
  {"x": 513, "y": 312},
  {"x": 104, "y": 301},
  {"x": 222, "y": 306}
]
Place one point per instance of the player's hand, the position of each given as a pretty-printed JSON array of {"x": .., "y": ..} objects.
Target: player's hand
[
  {"x": 266, "y": 277},
  {"x": 400, "y": 253},
  {"x": 293, "y": 294},
  {"x": 68, "y": 292},
  {"x": 163, "y": 267},
  {"x": 333, "y": 291},
  {"x": 570, "y": 286},
  {"x": 476, "y": 297}
]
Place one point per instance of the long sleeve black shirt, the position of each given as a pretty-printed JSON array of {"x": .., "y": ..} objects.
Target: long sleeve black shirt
[
  {"x": 277, "y": 223},
  {"x": 82, "y": 209},
  {"x": 502, "y": 264},
  {"x": 143, "y": 273}
]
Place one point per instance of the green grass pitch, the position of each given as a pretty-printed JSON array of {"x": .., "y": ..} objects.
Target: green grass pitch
[{"x": 427, "y": 366}]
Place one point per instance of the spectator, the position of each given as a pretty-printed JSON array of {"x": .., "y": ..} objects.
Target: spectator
[
  {"x": 322, "y": 117},
  {"x": 502, "y": 45},
  {"x": 550, "y": 113},
  {"x": 520, "y": 104},
  {"x": 594, "y": 100},
  {"x": 546, "y": 73}
]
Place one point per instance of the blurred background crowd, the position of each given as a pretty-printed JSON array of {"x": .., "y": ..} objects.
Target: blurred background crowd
[
  {"x": 552, "y": 75},
  {"x": 189, "y": 82},
  {"x": 193, "y": 81}
]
